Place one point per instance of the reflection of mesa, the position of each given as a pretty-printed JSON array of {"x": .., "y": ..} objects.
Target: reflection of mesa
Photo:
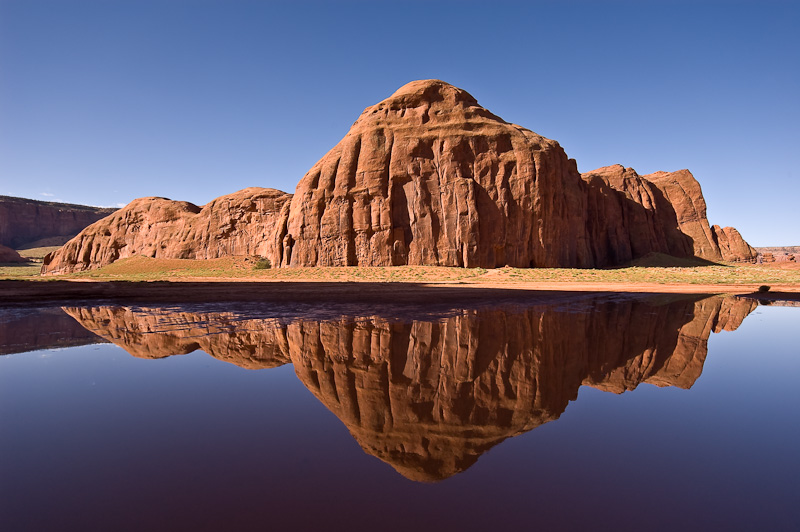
[
  {"x": 429, "y": 397},
  {"x": 427, "y": 177}
]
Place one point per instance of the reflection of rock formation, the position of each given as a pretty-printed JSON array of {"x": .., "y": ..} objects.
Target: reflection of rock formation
[
  {"x": 429, "y": 397},
  {"x": 24, "y": 330},
  {"x": 159, "y": 333}
]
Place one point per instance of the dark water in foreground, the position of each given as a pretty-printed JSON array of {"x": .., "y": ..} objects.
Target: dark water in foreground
[{"x": 590, "y": 413}]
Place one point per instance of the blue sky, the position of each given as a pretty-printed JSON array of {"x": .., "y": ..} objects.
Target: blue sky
[{"x": 105, "y": 101}]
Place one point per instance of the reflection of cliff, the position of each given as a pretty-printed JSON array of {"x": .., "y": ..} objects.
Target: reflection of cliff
[
  {"x": 159, "y": 333},
  {"x": 429, "y": 397},
  {"x": 24, "y": 330}
]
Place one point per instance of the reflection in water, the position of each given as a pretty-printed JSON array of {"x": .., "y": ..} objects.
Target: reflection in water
[
  {"x": 32, "y": 329},
  {"x": 430, "y": 396}
]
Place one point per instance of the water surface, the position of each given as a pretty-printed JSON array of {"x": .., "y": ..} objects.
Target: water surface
[{"x": 593, "y": 412}]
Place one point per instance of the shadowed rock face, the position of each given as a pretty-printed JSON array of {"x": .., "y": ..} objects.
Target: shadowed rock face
[
  {"x": 430, "y": 396},
  {"x": 426, "y": 177},
  {"x": 24, "y": 220},
  {"x": 242, "y": 223},
  {"x": 9, "y": 255},
  {"x": 664, "y": 212}
]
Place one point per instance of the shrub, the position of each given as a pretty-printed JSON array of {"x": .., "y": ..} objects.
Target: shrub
[
  {"x": 763, "y": 288},
  {"x": 262, "y": 264}
]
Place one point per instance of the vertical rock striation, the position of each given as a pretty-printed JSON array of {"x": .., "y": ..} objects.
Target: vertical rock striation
[{"x": 429, "y": 177}]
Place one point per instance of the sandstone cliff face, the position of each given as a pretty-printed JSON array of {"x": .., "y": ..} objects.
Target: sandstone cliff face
[
  {"x": 8, "y": 255},
  {"x": 664, "y": 212},
  {"x": 427, "y": 177},
  {"x": 23, "y": 220},
  {"x": 243, "y": 223},
  {"x": 629, "y": 217},
  {"x": 430, "y": 177},
  {"x": 732, "y": 246},
  {"x": 429, "y": 397},
  {"x": 682, "y": 192}
]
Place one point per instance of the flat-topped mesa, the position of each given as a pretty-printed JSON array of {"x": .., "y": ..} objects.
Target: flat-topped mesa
[
  {"x": 663, "y": 212},
  {"x": 429, "y": 177},
  {"x": 242, "y": 223}
]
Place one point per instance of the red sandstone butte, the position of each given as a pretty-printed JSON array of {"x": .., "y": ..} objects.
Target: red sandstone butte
[{"x": 427, "y": 177}]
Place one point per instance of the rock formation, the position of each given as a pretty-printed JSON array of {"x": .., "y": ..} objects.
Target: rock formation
[
  {"x": 157, "y": 333},
  {"x": 664, "y": 212},
  {"x": 630, "y": 217},
  {"x": 732, "y": 246},
  {"x": 8, "y": 255},
  {"x": 242, "y": 223},
  {"x": 427, "y": 177},
  {"x": 429, "y": 396},
  {"x": 25, "y": 329},
  {"x": 25, "y": 220}
]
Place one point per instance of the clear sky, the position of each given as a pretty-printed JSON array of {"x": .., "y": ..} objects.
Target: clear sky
[{"x": 104, "y": 101}]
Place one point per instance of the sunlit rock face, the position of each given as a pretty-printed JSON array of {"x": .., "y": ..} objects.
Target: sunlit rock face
[
  {"x": 243, "y": 223},
  {"x": 430, "y": 396},
  {"x": 426, "y": 177},
  {"x": 429, "y": 177}
]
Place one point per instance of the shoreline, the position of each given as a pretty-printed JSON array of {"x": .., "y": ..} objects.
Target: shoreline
[{"x": 195, "y": 290}]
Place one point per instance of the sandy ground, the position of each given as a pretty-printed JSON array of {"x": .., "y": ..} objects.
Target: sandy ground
[{"x": 220, "y": 289}]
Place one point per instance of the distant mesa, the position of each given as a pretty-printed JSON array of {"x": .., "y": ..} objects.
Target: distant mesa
[
  {"x": 430, "y": 396},
  {"x": 428, "y": 177},
  {"x": 24, "y": 222}
]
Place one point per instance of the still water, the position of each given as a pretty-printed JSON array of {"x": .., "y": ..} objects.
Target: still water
[{"x": 581, "y": 413}]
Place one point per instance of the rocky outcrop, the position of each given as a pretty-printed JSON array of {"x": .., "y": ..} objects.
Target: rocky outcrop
[
  {"x": 429, "y": 396},
  {"x": 732, "y": 246},
  {"x": 243, "y": 223},
  {"x": 427, "y": 177},
  {"x": 681, "y": 191},
  {"x": 8, "y": 255},
  {"x": 629, "y": 217},
  {"x": 25, "y": 220},
  {"x": 664, "y": 212}
]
